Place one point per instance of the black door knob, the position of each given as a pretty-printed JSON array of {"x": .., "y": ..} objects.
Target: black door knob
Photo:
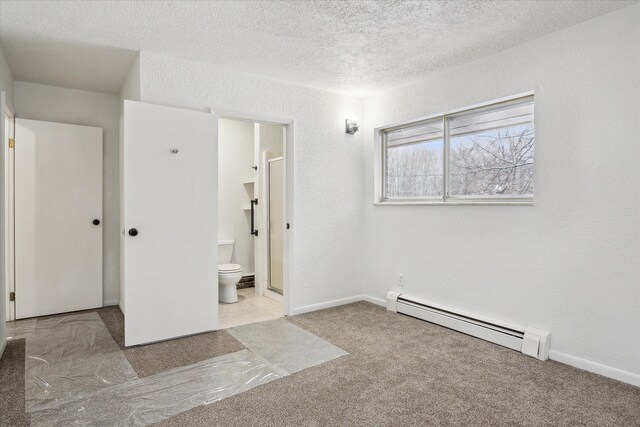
[
  {"x": 96, "y": 222},
  {"x": 133, "y": 232}
]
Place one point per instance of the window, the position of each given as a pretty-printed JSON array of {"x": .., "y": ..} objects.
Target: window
[{"x": 477, "y": 155}]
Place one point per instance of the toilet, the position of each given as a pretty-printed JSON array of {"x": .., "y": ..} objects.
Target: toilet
[{"x": 228, "y": 274}]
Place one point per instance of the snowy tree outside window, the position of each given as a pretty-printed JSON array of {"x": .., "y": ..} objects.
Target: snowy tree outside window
[{"x": 482, "y": 153}]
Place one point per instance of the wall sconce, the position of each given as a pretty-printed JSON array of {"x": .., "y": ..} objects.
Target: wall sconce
[{"x": 351, "y": 126}]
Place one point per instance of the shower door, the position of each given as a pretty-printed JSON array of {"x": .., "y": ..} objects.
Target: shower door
[{"x": 276, "y": 224}]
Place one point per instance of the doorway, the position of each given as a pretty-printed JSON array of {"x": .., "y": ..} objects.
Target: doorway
[
  {"x": 252, "y": 197},
  {"x": 53, "y": 188},
  {"x": 174, "y": 249}
]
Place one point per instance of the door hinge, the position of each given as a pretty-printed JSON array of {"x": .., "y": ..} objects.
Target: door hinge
[
  {"x": 12, "y": 296},
  {"x": 12, "y": 143}
]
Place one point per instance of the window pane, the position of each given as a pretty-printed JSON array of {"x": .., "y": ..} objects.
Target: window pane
[
  {"x": 414, "y": 161},
  {"x": 491, "y": 151}
]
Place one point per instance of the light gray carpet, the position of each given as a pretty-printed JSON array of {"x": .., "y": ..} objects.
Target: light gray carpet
[
  {"x": 403, "y": 371},
  {"x": 400, "y": 371},
  {"x": 152, "y": 359}
]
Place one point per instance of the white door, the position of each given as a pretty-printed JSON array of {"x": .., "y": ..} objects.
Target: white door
[
  {"x": 58, "y": 210},
  {"x": 170, "y": 217}
]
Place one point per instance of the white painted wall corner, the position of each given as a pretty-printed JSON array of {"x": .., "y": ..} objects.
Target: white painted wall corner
[
  {"x": 328, "y": 304},
  {"x": 596, "y": 368}
]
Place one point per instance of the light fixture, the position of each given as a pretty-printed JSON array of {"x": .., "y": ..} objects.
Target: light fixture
[{"x": 351, "y": 126}]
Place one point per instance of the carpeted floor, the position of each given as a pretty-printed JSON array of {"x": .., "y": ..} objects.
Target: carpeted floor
[
  {"x": 400, "y": 371},
  {"x": 403, "y": 371},
  {"x": 152, "y": 359},
  {"x": 12, "y": 411}
]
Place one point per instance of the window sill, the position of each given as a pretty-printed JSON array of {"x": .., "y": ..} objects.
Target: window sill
[{"x": 455, "y": 202}]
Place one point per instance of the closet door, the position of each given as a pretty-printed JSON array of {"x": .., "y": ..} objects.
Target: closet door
[
  {"x": 169, "y": 222},
  {"x": 58, "y": 214}
]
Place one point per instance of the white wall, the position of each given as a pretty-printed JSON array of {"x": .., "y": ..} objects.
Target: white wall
[
  {"x": 54, "y": 104},
  {"x": 235, "y": 159},
  {"x": 270, "y": 139},
  {"x": 6, "y": 81},
  {"x": 131, "y": 85},
  {"x": 569, "y": 264},
  {"x": 327, "y": 163}
]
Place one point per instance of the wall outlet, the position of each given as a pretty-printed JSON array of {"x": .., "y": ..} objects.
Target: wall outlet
[{"x": 400, "y": 279}]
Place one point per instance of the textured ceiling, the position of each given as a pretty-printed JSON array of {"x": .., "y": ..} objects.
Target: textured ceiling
[{"x": 347, "y": 46}]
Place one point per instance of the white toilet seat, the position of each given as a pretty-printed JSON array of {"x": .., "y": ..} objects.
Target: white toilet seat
[{"x": 229, "y": 268}]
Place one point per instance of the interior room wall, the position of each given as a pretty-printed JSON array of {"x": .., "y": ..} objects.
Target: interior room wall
[
  {"x": 327, "y": 170},
  {"x": 271, "y": 139},
  {"x": 6, "y": 81},
  {"x": 569, "y": 264},
  {"x": 235, "y": 159},
  {"x": 54, "y": 104}
]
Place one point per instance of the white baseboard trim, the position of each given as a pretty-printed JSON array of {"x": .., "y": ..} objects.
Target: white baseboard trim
[
  {"x": 376, "y": 301},
  {"x": 596, "y": 368},
  {"x": 328, "y": 304},
  {"x": 110, "y": 303}
]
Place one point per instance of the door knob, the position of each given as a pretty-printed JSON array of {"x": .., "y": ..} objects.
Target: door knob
[
  {"x": 96, "y": 222},
  {"x": 133, "y": 232}
]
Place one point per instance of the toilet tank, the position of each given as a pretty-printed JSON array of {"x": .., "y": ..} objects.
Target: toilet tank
[{"x": 225, "y": 250}]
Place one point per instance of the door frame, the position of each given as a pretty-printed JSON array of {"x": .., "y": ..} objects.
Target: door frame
[
  {"x": 8, "y": 213},
  {"x": 288, "y": 284},
  {"x": 79, "y": 296}
]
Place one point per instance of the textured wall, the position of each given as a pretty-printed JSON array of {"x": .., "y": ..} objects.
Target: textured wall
[
  {"x": 328, "y": 163},
  {"x": 235, "y": 159},
  {"x": 54, "y": 104},
  {"x": 569, "y": 264}
]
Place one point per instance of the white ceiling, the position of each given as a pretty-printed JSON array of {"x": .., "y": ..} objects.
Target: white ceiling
[{"x": 346, "y": 46}]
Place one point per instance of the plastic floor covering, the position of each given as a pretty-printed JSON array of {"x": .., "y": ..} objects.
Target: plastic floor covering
[{"x": 75, "y": 373}]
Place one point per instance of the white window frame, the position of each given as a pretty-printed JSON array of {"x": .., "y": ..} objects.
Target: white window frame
[{"x": 380, "y": 163}]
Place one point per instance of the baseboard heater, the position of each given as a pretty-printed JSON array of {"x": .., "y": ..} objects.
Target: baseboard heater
[{"x": 530, "y": 341}]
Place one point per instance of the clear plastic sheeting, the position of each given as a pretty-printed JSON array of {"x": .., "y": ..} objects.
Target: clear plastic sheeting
[
  {"x": 69, "y": 357},
  {"x": 286, "y": 345},
  {"x": 77, "y": 375},
  {"x": 20, "y": 329},
  {"x": 158, "y": 397}
]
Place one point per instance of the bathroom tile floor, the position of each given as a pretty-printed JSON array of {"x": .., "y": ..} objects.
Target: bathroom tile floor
[{"x": 250, "y": 308}]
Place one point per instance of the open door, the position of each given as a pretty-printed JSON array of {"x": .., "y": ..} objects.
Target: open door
[{"x": 169, "y": 222}]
